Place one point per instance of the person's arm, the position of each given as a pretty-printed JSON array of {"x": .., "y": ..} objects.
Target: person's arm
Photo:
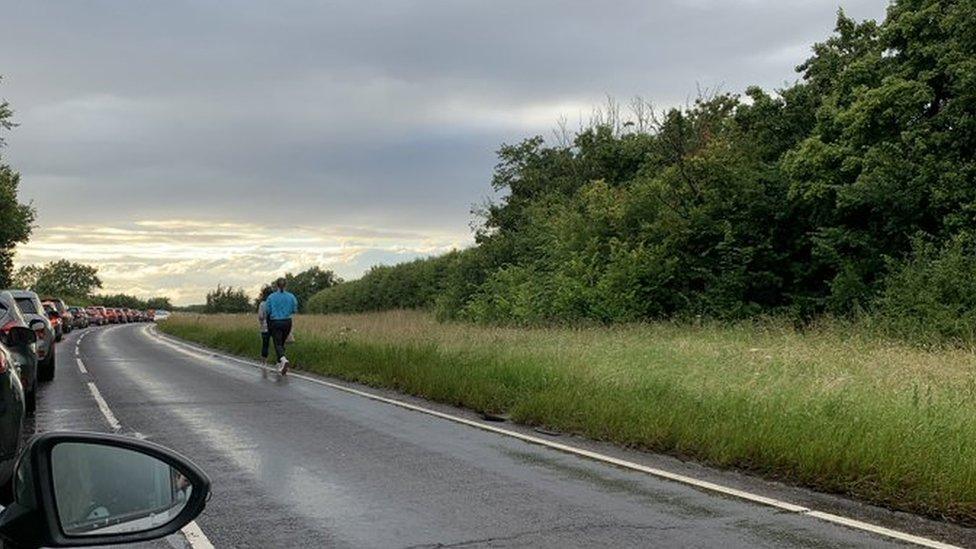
[{"x": 294, "y": 304}]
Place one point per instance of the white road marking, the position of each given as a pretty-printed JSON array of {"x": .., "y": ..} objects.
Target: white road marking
[
  {"x": 195, "y": 536},
  {"x": 103, "y": 407},
  {"x": 192, "y": 532},
  {"x": 81, "y": 366},
  {"x": 684, "y": 479}
]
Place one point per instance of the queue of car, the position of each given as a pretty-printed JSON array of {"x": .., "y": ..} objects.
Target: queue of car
[
  {"x": 63, "y": 489},
  {"x": 30, "y": 328}
]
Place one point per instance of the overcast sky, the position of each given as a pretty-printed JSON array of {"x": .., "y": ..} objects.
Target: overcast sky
[{"x": 179, "y": 144}]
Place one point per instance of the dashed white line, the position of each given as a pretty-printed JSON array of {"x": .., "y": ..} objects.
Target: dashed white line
[
  {"x": 195, "y": 536},
  {"x": 81, "y": 366},
  {"x": 192, "y": 532},
  {"x": 705, "y": 485},
  {"x": 113, "y": 422}
]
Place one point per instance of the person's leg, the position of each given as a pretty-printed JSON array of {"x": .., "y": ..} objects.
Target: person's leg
[
  {"x": 278, "y": 334},
  {"x": 265, "y": 340}
]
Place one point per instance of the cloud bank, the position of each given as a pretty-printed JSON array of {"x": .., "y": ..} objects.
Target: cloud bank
[{"x": 314, "y": 118}]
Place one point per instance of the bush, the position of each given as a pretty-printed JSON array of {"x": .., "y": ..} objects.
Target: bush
[
  {"x": 931, "y": 297},
  {"x": 412, "y": 285}
]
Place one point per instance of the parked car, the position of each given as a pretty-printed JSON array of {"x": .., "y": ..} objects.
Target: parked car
[
  {"x": 80, "y": 315},
  {"x": 55, "y": 318},
  {"x": 67, "y": 320},
  {"x": 120, "y": 314},
  {"x": 109, "y": 315},
  {"x": 23, "y": 350},
  {"x": 95, "y": 316},
  {"x": 80, "y": 489},
  {"x": 11, "y": 416},
  {"x": 30, "y": 306},
  {"x": 14, "y": 334}
]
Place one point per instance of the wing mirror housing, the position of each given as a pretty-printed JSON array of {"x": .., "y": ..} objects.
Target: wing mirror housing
[
  {"x": 74, "y": 489},
  {"x": 17, "y": 336}
]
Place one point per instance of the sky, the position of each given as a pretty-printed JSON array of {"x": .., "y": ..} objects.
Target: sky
[{"x": 177, "y": 145}]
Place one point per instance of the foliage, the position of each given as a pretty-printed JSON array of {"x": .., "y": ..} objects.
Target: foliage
[
  {"x": 16, "y": 219},
  {"x": 227, "y": 300},
  {"x": 60, "y": 279},
  {"x": 415, "y": 284},
  {"x": 304, "y": 285},
  {"x": 130, "y": 301},
  {"x": 932, "y": 296},
  {"x": 798, "y": 202},
  {"x": 158, "y": 303}
]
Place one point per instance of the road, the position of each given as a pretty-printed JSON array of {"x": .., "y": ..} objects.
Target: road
[{"x": 298, "y": 464}]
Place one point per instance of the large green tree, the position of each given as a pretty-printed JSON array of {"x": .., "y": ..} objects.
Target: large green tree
[
  {"x": 16, "y": 218},
  {"x": 227, "y": 299},
  {"x": 306, "y": 284},
  {"x": 60, "y": 278}
]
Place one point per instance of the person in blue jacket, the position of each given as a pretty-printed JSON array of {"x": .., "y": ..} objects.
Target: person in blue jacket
[{"x": 280, "y": 306}]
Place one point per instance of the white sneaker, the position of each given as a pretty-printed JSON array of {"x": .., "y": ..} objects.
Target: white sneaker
[{"x": 283, "y": 366}]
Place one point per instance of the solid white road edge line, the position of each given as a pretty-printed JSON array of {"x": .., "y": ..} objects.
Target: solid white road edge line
[
  {"x": 192, "y": 532},
  {"x": 703, "y": 484}
]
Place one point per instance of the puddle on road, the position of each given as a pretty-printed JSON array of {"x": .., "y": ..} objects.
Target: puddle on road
[{"x": 676, "y": 504}]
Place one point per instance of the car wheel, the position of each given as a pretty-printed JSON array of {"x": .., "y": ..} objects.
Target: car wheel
[
  {"x": 30, "y": 401},
  {"x": 45, "y": 368}
]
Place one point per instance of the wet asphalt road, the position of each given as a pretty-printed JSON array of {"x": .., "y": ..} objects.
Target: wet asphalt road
[{"x": 297, "y": 464}]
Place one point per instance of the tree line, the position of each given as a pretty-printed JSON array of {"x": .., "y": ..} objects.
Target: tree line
[
  {"x": 851, "y": 192},
  {"x": 305, "y": 284}
]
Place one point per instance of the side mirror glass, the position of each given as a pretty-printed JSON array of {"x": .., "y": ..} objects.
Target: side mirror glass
[
  {"x": 102, "y": 489},
  {"x": 78, "y": 489}
]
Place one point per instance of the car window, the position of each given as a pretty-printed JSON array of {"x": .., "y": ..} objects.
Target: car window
[{"x": 26, "y": 305}]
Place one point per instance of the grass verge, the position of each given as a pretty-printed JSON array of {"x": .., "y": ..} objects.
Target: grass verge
[{"x": 828, "y": 408}]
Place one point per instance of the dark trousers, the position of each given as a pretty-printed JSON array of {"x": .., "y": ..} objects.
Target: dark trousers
[
  {"x": 265, "y": 339},
  {"x": 279, "y": 333}
]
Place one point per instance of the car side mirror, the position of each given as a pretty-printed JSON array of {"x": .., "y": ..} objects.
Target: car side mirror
[
  {"x": 18, "y": 336},
  {"x": 76, "y": 489}
]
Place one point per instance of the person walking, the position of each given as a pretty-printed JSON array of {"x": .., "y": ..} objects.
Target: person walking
[
  {"x": 281, "y": 305},
  {"x": 263, "y": 322}
]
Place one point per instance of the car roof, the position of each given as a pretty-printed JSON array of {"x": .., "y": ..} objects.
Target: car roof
[
  {"x": 10, "y": 311},
  {"x": 22, "y": 293}
]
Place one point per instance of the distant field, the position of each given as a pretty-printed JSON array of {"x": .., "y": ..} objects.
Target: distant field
[{"x": 833, "y": 410}]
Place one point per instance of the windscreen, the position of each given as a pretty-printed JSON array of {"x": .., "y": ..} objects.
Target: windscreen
[{"x": 26, "y": 305}]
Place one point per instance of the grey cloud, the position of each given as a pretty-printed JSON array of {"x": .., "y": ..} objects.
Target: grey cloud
[{"x": 381, "y": 114}]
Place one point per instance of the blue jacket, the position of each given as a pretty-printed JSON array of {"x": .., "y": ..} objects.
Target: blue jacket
[{"x": 281, "y": 305}]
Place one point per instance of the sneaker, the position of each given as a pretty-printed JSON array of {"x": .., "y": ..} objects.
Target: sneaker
[{"x": 283, "y": 366}]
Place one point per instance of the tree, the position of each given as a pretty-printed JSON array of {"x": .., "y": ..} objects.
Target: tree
[
  {"x": 61, "y": 278},
  {"x": 305, "y": 284},
  {"x": 159, "y": 303},
  {"x": 227, "y": 300},
  {"x": 16, "y": 219}
]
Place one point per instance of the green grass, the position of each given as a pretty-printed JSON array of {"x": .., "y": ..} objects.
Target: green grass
[{"x": 828, "y": 408}]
